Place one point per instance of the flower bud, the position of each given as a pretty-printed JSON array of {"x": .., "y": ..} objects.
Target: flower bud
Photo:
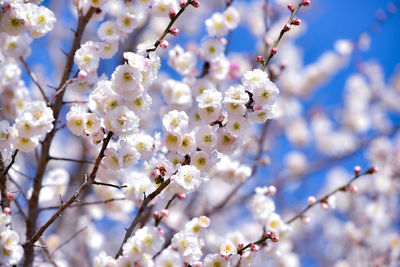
[
  {"x": 181, "y": 196},
  {"x": 274, "y": 238},
  {"x": 290, "y": 7},
  {"x": 254, "y": 247},
  {"x": 306, "y": 2},
  {"x": 161, "y": 231},
  {"x": 10, "y": 196},
  {"x": 324, "y": 205},
  {"x": 174, "y": 31},
  {"x": 156, "y": 215},
  {"x": 195, "y": 3},
  {"x": 260, "y": 59},
  {"x": 311, "y": 200},
  {"x": 272, "y": 190},
  {"x": 164, "y": 212},
  {"x": 357, "y": 170},
  {"x": 296, "y": 22},
  {"x": 164, "y": 44},
  {"x": 183, "y": 3},
  {"x": 373, "y": 170},
  {"x": 353, "y": 188},
  {"x": 266, "y": 234},
  {"x": 274, "y": 50},
  {"x": 305, "y": 219},
  {"x": 7, "y": 210},
  {"x": 82, "y": 74},
  {"x": 287, "y": 28},
  {"x": 172, "y": 14}
]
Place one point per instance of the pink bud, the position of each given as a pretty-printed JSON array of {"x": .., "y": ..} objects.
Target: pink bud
[
  {"x": 223, "y": 41},
  {"x": 183, "y": 3},
  {"x": 82, "y": 74},
  {"x": 164, "y": 212},
  {"x": 240, "y": 246},
  {"x": 274, "y": 50},
  {"x": 353, "y": 188},
  {"x": 260, "y": 59},
  {"x": 7, "y": 210},
  {"x": 305, "y": 219},
  {"x": 197, "y": 264},
  {"x": 22, "y": 21},
  {"x": 373, "y": 170},
  {"x": 266, "y": 234},
  {"x": 287, "y": 27},
  {"x": 161, "y": 231},
  {"x": 181, "y": 196},
  {"x": 274, "y": 238},
  {"x": 164, "y": 44},
  {"x": 272, "y": 190},
  {"x": 306, "y": 2},
  {"x": 10, "y": 196},
  {"x": 254, "y": 247},
  {"x": 357, "y": 170},
  {"x": 195, "y": 3},
  {"x": 324, "y": 205},
  {"x": 172, "y": 14},
  {"x": 296, "y": 22},
  {"x": 154, "y": 174},
  {"x": 174, "y": 247},
  {"x": 311, "y": 200},
  {"x": 156, "y": 214},
  {"x": 290, "y": 7},
  {"x": 174, "y": 31}
]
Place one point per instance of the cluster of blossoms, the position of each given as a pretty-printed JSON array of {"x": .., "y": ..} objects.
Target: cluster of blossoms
[
  {"x": 10, "y": 249},
  {"x": 173, "y": 149}
]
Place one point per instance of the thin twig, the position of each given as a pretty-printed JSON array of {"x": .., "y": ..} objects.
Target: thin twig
[
  {"x": 69, "y": 239},
  {"x": 33, "y": 77},
  {"x": 82, "y": 189},
  {"x": 72, "y": 160},
  {"x": 159, "y": 219},
  {"x": 140, "y": 211},
  {"x": 110, "y": 185},
  {"x": 81, "y": 204},
  {"x": 324, "y": 198}
]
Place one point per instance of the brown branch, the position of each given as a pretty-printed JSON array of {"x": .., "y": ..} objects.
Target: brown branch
[
  {"x": 81, "y": 204},
  {"x": 44, "y": 158},
  {"x": 166, "y": 31},
  {"x": 82, "y": 189},
  {"x": 140, "y": 211},
  {"x": 3, "y": 179},
  {"x": 69, "y": 239},
  {"x": 159, "y": 219},
  {"x": 33, "y": 77},
  {"x": 72, "y": 160},
  {"x": 324, "y": 198},
  {"x": 110, "y": 185},
  {"x": 275, "y": 45},
  {"x": 62, "y": 89}
]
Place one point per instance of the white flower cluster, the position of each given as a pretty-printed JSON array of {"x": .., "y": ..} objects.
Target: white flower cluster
[
  {"x": 21, "y": 16},
  {"x": 263, "y": 210},
  {"x": 11, "y": 251},
  {"x": 31, "y": 125}
]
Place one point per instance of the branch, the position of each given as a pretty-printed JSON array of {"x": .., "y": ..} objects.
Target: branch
[
  {"x": 69, "y": 239},
  {"x": 62, "y": 89},
  {"x": 110, "y": 185},
  {"x": 166, "y": 31},
  {"x": 81, "y": 204},
  {"x": 82, "y": 189},
  {"x": 275, "y": 45},
  {"x": 140, "y": 211},
  {"x": 324, "y": 198},
  {"x": 33, "y": 77},
  {"x": 44, "y": 158},
  {"x": 3, "y": 179},
  {"x": 159, "y": 219},
  {"x": 72, "y": 160}
]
